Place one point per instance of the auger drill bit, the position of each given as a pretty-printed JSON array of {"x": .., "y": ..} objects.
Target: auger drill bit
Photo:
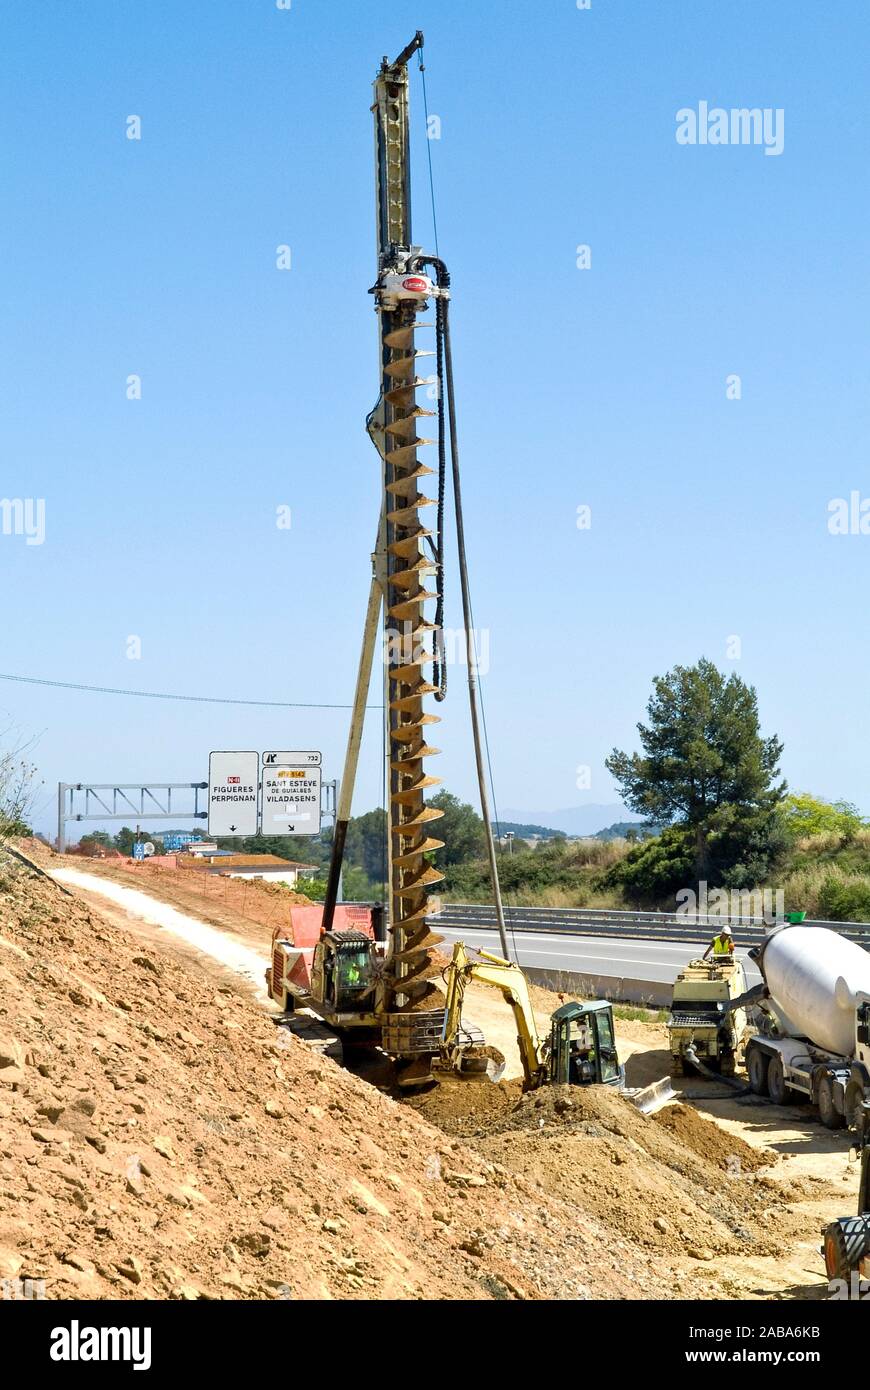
[
  {"x": 410, "y": 964},
  {"x": 411, "y": 579}
]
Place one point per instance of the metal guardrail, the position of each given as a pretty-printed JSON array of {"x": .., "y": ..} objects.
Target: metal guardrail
[{"x": 650, "y": 926}]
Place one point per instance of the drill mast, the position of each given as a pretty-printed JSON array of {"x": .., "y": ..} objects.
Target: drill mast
[
  {"x": 408, "y": 575},
  {"x": 400, "y": 293}
]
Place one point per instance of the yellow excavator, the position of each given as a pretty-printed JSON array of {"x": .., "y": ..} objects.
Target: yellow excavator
[{"x": 579, "y": 1050}]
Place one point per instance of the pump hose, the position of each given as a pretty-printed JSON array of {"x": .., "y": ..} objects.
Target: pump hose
[{"x": 737, "y": 1087}]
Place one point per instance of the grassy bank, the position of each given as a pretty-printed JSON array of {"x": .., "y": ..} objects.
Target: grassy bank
[{"x": 826, "y": 875}]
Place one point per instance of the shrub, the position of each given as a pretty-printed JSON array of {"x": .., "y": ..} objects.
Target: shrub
[
  {"x": 845, "y": 899},
  {"x": 656, "y": 868}
]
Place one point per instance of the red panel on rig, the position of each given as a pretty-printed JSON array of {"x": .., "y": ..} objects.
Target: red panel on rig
[{"x": 305, "y": 922}]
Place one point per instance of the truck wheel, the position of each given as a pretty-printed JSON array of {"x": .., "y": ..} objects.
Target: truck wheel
[
  {"x": 727, "y": 1064},
  {"x": 828, "y": 1112},
  {"x": 756, "y": 1065},
  {"x": 854, "y": 1101},
  {"x": 776, "y": 1087},
  {"x": 845, "y": 1243}
]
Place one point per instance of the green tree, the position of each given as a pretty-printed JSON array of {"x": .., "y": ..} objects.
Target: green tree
[
  {"x": 124, "y": 840},
  {"x": 705, "y": 769},
  {"x": 807, "y": 815},
  {"x": 356, "y": 887},
  {"x": 366, "y": 844},
  {"x": 95, "y": 840},
  {"x": 461, "y": 829},
  {"x": 655, "y": 867}
]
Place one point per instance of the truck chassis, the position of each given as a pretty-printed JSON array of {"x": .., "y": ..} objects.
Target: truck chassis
[{"x": 779, "y": 1067}]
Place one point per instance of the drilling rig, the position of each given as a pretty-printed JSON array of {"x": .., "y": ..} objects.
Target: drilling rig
[
  {"x": 403, "y": 1011},
  {"x": 402, "y": 570},
  {"x": 359, "y": 992}
]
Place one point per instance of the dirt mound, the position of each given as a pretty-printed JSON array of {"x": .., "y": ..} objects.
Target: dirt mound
[
  {"x": 466, "y": 1105},
  {"x": 706, "y": 1138},
  {"x": 639, "y": 1176},
  {"x": 159, "y": 1139},
  {"x": 674, "y": 1183}
]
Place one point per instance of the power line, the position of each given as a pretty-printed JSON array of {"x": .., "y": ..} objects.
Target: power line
[{"x": 163, "y": 695}]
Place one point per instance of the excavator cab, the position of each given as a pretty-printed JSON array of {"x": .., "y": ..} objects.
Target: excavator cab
[
  {"x": 583, "y": 1046},
  {"x": 343, "y": 974}
]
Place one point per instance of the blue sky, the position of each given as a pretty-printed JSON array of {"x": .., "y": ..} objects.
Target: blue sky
[{"x": 603, "y": 387}]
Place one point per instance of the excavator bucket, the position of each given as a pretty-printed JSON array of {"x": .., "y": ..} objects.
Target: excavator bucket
[
  {"x": 482, "y": 1061},
  {"x": 649, "y": 1099},
  {"x": 410, "y": 1076}
]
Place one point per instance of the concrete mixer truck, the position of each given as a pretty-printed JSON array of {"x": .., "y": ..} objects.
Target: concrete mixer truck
[{"x": 813, "y": 1019}]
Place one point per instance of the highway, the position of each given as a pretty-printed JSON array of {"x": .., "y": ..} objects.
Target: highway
[{"x": 638, "y": 970}]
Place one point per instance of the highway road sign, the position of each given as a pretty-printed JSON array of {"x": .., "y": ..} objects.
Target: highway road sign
[
  {"x": 304, "y": 759},
  {"x": 232, "y": 793},
  {"x": 291, "y": 800},
  {"x": 178, "y": 841}
]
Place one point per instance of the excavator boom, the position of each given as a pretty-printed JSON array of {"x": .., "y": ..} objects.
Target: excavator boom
[
  {"x": 509, "y": 979},
  {"x": 580, "y": 1048}
]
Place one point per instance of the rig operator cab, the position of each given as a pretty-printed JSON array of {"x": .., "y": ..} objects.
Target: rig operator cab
[{"x": 344, "y": 973}]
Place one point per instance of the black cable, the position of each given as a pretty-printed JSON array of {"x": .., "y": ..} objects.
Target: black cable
[
  {"x": 442, "y": 279},
  {"x": 162, "y": 695},
  {"x": 442, "y": 276},
  {"x": 439, "y": 667},
  {"x": 496, "y": 819}
]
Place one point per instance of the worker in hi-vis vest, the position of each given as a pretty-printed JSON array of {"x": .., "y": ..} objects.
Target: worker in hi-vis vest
[{"x": 721, "y": 945}]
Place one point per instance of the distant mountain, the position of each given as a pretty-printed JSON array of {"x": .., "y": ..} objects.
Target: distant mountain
[
  {"x": 578, "y": 820},
  {"x": 525, "y": 831},
  {"x": 619, "y": 830}
]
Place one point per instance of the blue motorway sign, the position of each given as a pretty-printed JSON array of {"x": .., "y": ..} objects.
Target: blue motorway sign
[{"x": 173, "y": 842}]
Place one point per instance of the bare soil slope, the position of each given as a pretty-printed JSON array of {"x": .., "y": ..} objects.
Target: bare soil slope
[
  {"x": 158, "y": 1139},
  {"x": 561, "y": 1194}
]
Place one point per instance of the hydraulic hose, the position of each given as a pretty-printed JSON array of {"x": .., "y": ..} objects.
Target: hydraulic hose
[{"x": 442, "y": 276}]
